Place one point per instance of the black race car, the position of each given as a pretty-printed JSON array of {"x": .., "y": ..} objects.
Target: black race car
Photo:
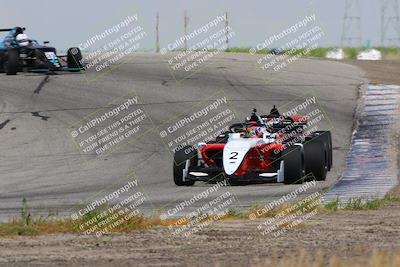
[{"x": 18, "y": 53}]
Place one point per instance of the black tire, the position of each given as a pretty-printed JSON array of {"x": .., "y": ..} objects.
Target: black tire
[
  {"x": 326, "y": 137},
  {"x": 74, "y": 58},
  {"x": 11, "y": 64},
  {"x": 2, "y": 58},
  {"x": 315, "y": 159},
  {"x": 180, "y": 159},
  {"x": 293, "y": 161}
]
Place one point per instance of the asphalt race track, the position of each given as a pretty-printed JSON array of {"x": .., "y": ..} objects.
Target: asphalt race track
[{"x": 39, "y": 160}]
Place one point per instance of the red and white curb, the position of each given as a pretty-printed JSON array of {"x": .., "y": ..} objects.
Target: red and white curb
[{"x": 371, "y": 165}]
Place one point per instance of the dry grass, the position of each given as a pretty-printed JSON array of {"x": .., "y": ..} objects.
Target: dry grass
[
  {"x": 27, "y": 226},
  {"x": 51, "y": 225}
]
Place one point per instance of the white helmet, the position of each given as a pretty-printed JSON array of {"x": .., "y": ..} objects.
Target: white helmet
[{"x": 23, "y": 39}]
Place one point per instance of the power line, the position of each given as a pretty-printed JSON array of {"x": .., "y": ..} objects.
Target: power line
[
  {"x": 226, "y": 31},
  {"x": 186, "y": 24},
  {"x": 157, "y": 33}
]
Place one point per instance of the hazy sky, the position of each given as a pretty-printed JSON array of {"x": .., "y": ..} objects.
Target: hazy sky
[{"x": 68, "y": 23}]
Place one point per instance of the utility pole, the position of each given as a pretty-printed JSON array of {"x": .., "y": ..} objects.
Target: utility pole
[
  {"x": 185, "y": 23},
  {"x": 390, "y": 23},
  {"x": 157, "y": 33},
  {"x": 351, "y": 34},
  {"x": 226, "y": 31}
]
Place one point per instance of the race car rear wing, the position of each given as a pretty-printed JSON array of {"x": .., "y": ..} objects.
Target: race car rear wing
[{"x": 7, "y": 30}]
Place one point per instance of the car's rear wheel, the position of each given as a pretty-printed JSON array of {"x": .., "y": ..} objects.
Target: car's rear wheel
[
  {"x": 315, "y": 156},
  {"x": 11, "y": 63},
  {"x": 326, "y": 137},
  {"x": 74, "y": 58},
  {"x": 186, "y": 155},
  {"x": 293, "y": 162}
]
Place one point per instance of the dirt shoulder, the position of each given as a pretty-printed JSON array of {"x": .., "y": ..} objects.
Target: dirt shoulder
[
  {"x": 352, "y": 235},
  {"x": 347, "y": 235},
  {"x": 380, "y": 72}
]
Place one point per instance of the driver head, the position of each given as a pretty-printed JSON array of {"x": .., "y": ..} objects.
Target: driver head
[
  {"x": 253, "y": 117},
  {"x": 19, "y": 30},
  {"x": 274, "y": 112},
  {"x": 23, "y": 39}
]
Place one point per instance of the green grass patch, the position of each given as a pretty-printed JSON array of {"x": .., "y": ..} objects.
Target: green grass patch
[
  {"x": 232, "y": 213},
  {"x": 27, "y": 226},
  {"x": 333, "y": 205},
  {"x": 7, "y": 230},
  {"x": 361, "y": 204},
  {"x": 390, "y": 53},
  {"x": 246, "y": 50}
]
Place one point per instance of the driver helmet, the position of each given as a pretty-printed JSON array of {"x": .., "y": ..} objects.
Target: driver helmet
[
  {"x": 253, "y": 132},
  {"x": 23, "y": 39},
  {"x": 274, "y": 112},
  {"x": 253, "y": 117}
]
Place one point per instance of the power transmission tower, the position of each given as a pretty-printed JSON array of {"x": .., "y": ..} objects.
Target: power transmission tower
[
  {"x": 226, "y": 31},
  {"x": 157, "y": 33},
  {"x": 185, "y": 23},
  {"x": 390, "y": 23},
  {"x": 351, "y": 34}
]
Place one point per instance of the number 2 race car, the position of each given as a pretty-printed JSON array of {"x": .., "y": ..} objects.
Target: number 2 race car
[
  {"x": 19, "y": 53},
  {"x": 264, "y": 148}
]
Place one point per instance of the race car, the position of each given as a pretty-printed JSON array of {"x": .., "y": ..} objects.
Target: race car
[
  {"x": 20, "y": 53},
  {"x": 266, "y": 148}
]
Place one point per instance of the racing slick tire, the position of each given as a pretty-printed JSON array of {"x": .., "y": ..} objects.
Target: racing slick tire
[
  {"x": 74, "y": 58},
  {"x": 11, "y": 64},
  {"x": 293, "y": 162},
  {"x": 180, "y": 159},
  {"x": 326, "y": 137},
  {"x": 316, "y": 159}
]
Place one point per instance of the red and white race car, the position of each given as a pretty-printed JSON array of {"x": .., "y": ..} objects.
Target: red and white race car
[{"x": 263, "y": 148}]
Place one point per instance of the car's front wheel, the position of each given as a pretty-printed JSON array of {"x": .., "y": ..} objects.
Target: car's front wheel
[
  {"x": 12, "y": 62},
  {"x": 74, "y": 59},
  {"x": 183, "y": 159}
]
